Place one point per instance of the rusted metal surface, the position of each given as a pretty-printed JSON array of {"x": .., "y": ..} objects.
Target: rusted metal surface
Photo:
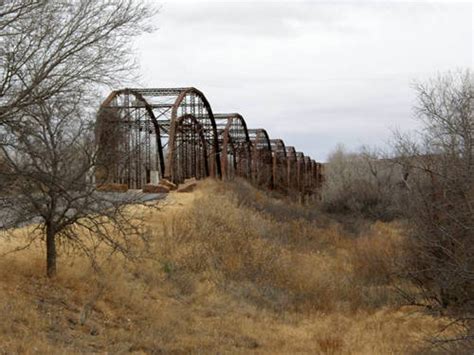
[
  {"x": 280, "y": 165},
  {"x": 172, "y": 133},
  {"x": 139, "y": 150},
  {"x": 292, "y": 173},
  {"x": 320, "y": 180},
  {"x": 307, "y": 175},
  {"x": 300, "y": 171},
  {"x": 189, "y": 147},
  {"x": 235, "y": 145},
  {"x": 262, "y": 158},
  {"x": 129, "y": 139}
]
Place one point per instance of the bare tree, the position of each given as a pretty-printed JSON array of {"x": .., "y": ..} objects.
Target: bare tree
[
  {"x": 49, "y": 47},
  {"x": 361, "y": 183},
  {"x": 53, "y": 61},
  {"x": 440, "y": 178},
  {"x": 13, "y": 10},
  {"x": 50, "y": 158}
]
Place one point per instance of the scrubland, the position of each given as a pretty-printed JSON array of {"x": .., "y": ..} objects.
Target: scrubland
[{"x": 227, "y": 268}]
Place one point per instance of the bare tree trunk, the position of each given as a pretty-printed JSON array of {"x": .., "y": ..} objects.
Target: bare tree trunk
[{"x": 50, "y": 251}]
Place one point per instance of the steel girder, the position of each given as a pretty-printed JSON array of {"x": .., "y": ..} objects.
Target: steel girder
[
  {"x": 262, "y": 159},
  {"x": 280, "y": 165},
  {"x": 314, "y": 172},
  {"x": 235, "y": 145},
  {"x": 190, "y": 150},
  {"x": 300, "y": 171},
  {"x": 320, "y": 175},
  {"x": 292, "y": 177},
  {"x": 307, "y": 175}
]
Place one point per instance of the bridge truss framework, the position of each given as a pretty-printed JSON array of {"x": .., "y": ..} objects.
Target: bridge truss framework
[{"x": 147, "y": 134}]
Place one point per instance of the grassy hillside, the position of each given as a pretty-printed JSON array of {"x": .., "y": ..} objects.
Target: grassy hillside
[{"x": 227, "y": 269}]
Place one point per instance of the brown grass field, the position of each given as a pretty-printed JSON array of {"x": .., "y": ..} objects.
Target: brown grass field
[{"x": 228, "y": 269}]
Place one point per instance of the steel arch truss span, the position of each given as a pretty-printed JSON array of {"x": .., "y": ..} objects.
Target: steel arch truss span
[
  {"x": 147, "y": 134},
  {"x": 292, "y": 162},
  {"x": 190, "y": 159},
  {"x": 280, "y": 165},
  {"x": 128, "y": 134},
  {"x": 161, "y": 109},
  {"x": 300, "y": 171},
  {"x": 262, "y": 158},
  {"x": 307, "y": 175},
  {"x": 235, "y": 145}
]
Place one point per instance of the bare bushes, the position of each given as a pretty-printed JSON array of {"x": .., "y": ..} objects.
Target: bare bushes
[
  {"x": 361, "y": 183},
  {"x": 440, "y": 168},
  {"x": 429, "y": 181}
]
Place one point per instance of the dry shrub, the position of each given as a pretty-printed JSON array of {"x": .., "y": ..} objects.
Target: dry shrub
[
  {"x": 361, "y": 184},
  {"x": 22, "y": 327},
  {"x": 110, "y": 187},
  {"x": 19, "y": 317},
  {"x": 215, "y": 236},
  {"x": 330, "y": 344},
  {"x": 317, "y": 282},
  {"x": 376, "y": 255},
  {"x": 278, "y": 208},
  {"x": 155, "y": 189},
  {"x": 439, "y": 165}
]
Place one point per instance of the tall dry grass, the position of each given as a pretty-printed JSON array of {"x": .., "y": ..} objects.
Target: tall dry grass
[{"x": 227, "y": 269}]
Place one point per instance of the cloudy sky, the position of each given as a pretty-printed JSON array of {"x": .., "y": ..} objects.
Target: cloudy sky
[{"x": 312, "y": 73}]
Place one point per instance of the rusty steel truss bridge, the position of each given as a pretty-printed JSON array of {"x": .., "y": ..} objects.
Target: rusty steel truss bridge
[{"x": 145, "y": 135}]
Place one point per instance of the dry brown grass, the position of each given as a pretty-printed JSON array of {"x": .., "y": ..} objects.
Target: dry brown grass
[
  {"x": 228, "y": 269},
  {"x": 113, "y": 187}
]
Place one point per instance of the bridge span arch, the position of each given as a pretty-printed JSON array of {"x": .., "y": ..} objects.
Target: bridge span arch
[
  {"x": 129, "y": 139},
  {"x": 280, "y": 165},
  {"x": 144, "y": 134},
  {"x": 235, "y": 145},
  {"x": 262, "y": 158},
  {"x": 133, "y": 110}
]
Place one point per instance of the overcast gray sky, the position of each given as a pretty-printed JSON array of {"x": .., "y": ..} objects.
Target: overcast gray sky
[{"x": 312, "y": 73}]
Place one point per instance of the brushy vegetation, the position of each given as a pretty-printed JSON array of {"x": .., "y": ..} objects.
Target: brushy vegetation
[
  {"x": 429, "y": 184},
  {"x": 364, "y": 185},
  {"x": 228, "y": 269}
]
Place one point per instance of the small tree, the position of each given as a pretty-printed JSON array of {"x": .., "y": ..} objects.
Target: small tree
[
  {"x": 50, "y": 158},
  {"x": 55, "y": 54}
]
